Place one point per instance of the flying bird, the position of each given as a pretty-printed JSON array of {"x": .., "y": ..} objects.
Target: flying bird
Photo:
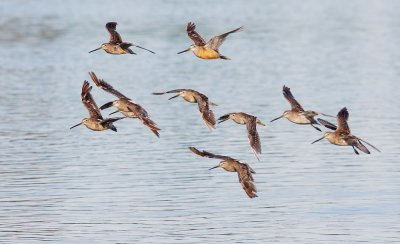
[
  {"x": 206, "y": 50},
  {"x": 251, "y": 123},
  {"x": 95, "y": 121},
  {"x": 202, "y": 101},
  {"x": 297, "y": 114},
  {"x": 125, "y": 105},
  {"x": 115, "y": 45},
  {"x": 243, "y": 170},
  {"x": 342, "y": 135}
]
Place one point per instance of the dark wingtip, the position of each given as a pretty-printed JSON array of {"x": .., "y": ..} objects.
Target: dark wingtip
[
  {"x": 286, "y": 90},
  {"x": 111, "y": 25},
  {"x": 156, "y": 133},
  {"x": 343, "y": 110},
  {"x": 191, "y": 26},
  {"x": 344, "y": 113},
  {"x": 107, "y": 105}
]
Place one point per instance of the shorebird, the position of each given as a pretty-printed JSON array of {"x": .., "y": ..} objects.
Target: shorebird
[
  {"x": 297, "y": 114},
  {"x": 251, "y": 122},
  {"x": 342, "y": 135},
  {"x": 232, "y": 165},
  {"x": 125, "y": 105},
  {"x": 115, "y": 45},
  {"x": 206, "y": 50},
  {"x": 96, "y": 121},
  {"x": 202, "y": 101}
]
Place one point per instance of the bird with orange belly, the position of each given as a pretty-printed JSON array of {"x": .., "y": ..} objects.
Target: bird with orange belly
[{"x": 203, "y": 49}]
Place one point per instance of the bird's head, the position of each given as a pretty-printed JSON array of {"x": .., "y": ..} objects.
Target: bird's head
[
  {"x": 83, "y": 122},
  {"x": 326, "y": 135},
  {"x": 222, "y": 164}
]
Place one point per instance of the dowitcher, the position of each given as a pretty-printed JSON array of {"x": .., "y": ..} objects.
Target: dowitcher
[
  {"x": 342, "y": 135},
  {"x": 96, "y": 121},
  {"x": 297, "y": 114},
  {"x": 125, "y": 105},
  {"x": 251, "y": 123},
  {"x": 206, "y": 50},
  {"x": 115, "y": 45},
  {"x": 243, "y": 170},
  {"x": 202, "y": 101}
]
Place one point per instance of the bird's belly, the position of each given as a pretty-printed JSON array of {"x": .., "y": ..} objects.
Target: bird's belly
[
  {"x": 190, "y": 99},
  {"x": 206, "y": 53},
  {"x": 95, "y": 126},
  {"x": 239, "y": 121},
  {"x": 338, "y": 141},
  {"x": 299, "y": 119},
  {"x": 115, "y": 49},
  {"x": 129, "y": 114}
]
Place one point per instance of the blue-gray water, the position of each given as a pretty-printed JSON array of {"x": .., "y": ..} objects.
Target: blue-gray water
[{"x": 79, "y": 186}]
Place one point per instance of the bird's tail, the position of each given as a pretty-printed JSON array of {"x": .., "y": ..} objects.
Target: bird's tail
[
  {"x": 208, "y": 118},
  {"x": 152, "y": 126},
  {"x": 361, "y": 147},
  {"x": 224, "y": 57}
]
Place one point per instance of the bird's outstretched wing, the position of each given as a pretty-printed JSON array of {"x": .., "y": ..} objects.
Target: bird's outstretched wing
[
  {"x": 115, "y": 38},
  {"x": 89, "y": 102},
  {"x": 327, "y": 124},
  {"x": 143, "y": 116},
  {"x": 342, "y": 118},
  {"x": 105, "y": 86},
  {"x": 208, "y": 154},
  {"x": 171, "y": 91},
  {"x": 246, "y": 179},
  {"x": 293, "y": 102},
  {"x": 215, "y": 42},
  {"x": 206, "y": 114},
  {"x": 196, "y": 38},
  {"x": 252, "y": 134}
]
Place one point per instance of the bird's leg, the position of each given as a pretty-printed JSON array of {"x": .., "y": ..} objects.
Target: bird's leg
[
  {"x": 114, "y": 112},
  {"x": 318, "y": 129},
  {"x": 213, "y": 104},
  {"x": 355, "y": 150},
  {"x": 255, "y": 154}
]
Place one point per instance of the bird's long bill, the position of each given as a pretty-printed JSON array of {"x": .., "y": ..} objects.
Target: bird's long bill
[
  {"x": 277, "y": 118},
  {"x": 173, "y": 97},
  {"x": 95, "y": 49},
  {"x": 327, "y": 115},
  {"x": 145, "y": 49},
  {"x": 213, "y": 167},
  {"x": 317, "y": 140},
  {"x": 76, "y": 125},
  {"x": 260, "y": 123},
  {"x": 184, "y": 51},
  {"x": 113, "y": 112}
]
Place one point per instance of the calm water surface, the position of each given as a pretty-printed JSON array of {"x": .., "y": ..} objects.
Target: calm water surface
[{"x": 77, "y": 186}]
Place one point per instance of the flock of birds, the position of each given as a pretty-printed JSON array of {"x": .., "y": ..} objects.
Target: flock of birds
[{"x": 341, "y": 135}]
